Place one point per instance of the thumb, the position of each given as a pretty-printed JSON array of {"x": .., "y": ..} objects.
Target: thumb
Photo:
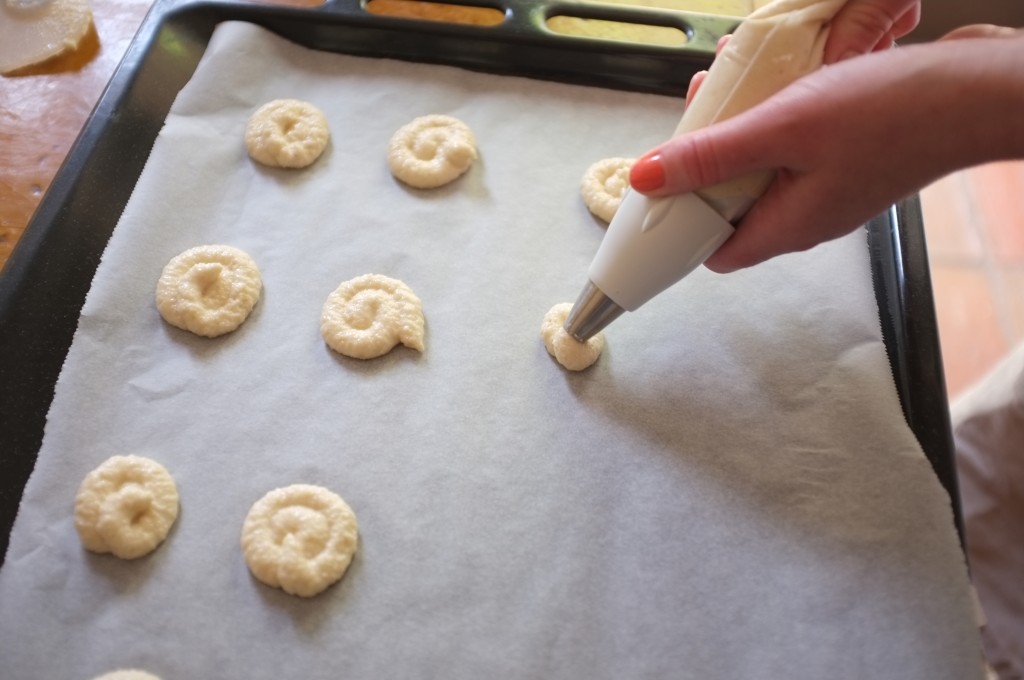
[
  {"x": 863, "y": 26},
  {"x": 981, "y": 31}
]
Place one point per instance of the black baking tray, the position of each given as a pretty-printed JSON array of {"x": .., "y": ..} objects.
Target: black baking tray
[{"x": 43, "y": 286}]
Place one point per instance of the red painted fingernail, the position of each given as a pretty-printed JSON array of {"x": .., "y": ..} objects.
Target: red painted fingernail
[{"x": 648, "y": 173}]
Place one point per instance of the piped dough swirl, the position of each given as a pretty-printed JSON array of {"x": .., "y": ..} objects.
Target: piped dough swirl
[
  {"x": 367, "y": 316},
  {"x": 287, "y": 133},
  {"x": 431, "y": 151},
  {"x": 300, "y": 538},
  {"x": 604, "y": 184},
  {"x": 208, "y": 290},
  {"x": 126, "y": 506},
  {"x": 567, "y": 350}
]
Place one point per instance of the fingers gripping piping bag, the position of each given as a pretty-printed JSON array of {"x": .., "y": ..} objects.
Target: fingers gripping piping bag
[{"x": 654, "y": 242}]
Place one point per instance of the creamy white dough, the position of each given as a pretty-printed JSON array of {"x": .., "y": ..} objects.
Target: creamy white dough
[
  {"x": 570, "y": 352},
  {"x": 287, "y": 133},
  {"x": 431, "y": 151},
  {"x": 367, "y": 316},
  {"x": 299, "y": 538},
  {"x": 127, "y": 674},
  {"x": 604, "y": 184},
  {"x": 126, "y": 506},
  {"x": 208, "y": 290}
]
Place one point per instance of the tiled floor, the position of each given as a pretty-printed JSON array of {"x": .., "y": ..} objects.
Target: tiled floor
[{"x": 974, "y": 225}]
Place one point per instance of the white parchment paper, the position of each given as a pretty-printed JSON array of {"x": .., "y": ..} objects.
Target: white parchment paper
[{"x": 730, "y": 492}]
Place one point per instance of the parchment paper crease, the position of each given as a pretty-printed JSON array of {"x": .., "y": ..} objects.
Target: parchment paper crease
[{"x": 730, "y": 492}]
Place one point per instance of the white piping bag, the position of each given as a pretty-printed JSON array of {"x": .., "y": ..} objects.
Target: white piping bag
[{"x": 654, "y": 242}]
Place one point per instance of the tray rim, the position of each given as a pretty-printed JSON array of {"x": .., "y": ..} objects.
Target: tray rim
[{"x": 44, "y": 259}]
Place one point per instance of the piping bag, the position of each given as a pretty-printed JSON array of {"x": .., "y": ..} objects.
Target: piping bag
[{"x": 652, "y": 243}]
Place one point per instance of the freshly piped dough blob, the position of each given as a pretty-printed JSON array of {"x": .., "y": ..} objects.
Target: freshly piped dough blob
[
  {"x": 431, "y": 151},
  {"x": 604, "y": 184},
  {"x": 287, "y": 133},
  {"x": 299, "y": 538},
  {"x": 570, "y": 352},
  {"x": 32, "y": 31},
  {"x": 367, "y": 316},
  {"x": 126, "y": 506},
  {"x": 127, "y": 674},
  {"x": 209, "y": 290}
]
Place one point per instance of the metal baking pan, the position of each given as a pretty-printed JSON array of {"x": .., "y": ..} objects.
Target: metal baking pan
[{"x": 44, "y": 284}]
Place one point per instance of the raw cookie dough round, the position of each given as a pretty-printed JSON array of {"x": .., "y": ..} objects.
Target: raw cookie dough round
[
  {"x": 299, "y": 538},
  {"x": 570, "y": 352},
  {"x": 604, "y": 184},
  {"x": 209, "y": 290},
  {"x": 126, "y": 506},
  {"x": 286, "y": 133},
  {"x": 127, "y": 674},
  {"x": 33, "y": 31},
  {"x": 431, "y": 151},
  {"x": 367, "y": 316}
]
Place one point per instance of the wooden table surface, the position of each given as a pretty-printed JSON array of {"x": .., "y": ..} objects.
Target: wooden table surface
[{"x": 43, "y": 108}]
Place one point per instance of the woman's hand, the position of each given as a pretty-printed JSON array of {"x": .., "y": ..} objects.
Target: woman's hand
[
  {"x": 864, "y": 26},
  {"x": 849, "y": 140}
]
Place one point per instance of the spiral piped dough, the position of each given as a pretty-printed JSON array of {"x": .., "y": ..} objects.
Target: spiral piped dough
[
  {"x": 367, "y": 316},
  {"x": 604, "y": 184},
  {"x": 208, "y": 290},
  {"x": 567, "y": 350},
  {"x": 126, "y": 506},
  {"x": 287, "y": 133},
  {"x": 431, "y": 151},
  {"x": 299, "y": 538},
  {"x": 127, "y": 674}
]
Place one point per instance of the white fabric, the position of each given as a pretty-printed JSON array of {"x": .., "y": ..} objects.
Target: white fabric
[{"x": 988, "y": 428}]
